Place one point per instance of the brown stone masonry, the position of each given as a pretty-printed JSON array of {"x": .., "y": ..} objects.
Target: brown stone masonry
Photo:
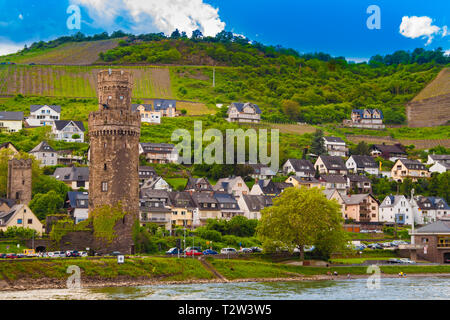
[{"x": 19, "y": 180}]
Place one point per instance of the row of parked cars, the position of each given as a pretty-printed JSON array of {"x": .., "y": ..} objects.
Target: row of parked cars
[
  {"x": 384, "y": 245},
  {"x": 196, "y": 251}
]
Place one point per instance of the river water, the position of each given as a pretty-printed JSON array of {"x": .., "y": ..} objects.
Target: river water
[{"x": 353, "y": 289}]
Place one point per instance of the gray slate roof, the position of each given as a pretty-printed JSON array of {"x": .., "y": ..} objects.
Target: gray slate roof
[
  {"x": 72, "y": 174},
  {"x": 11, "y": 115},
  {"x": 36, "y": 107},
  {"x": 333, "y": 139},
  {"x": 147, "y": 107},
  {"x": 257, "y": 202},
  {"x": 441, "y": 226},
  {"x": 43, "y": 147},
  {"x": 413, "y": 164},
  {"x": 364, "y": 161},
  {"x": 61, "y": 124},
  {"x": 302, "y": 165},
  {"x": 334, "y": 163},
  {"x": 163, "y": 104},
  {"x": 240, "y": 106}
]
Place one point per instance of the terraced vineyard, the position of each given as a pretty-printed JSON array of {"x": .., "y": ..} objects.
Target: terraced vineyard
[
  {"x": 73, "y": 53},
  {"x": 78, "y": 81}
]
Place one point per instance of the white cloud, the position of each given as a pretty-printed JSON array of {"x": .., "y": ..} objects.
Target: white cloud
[
  {"x": 447, "y": 52},
  {"x": 20, "y": 16},
  {"x": 420, "y": 27},
  {"x": 147, "y": 15},
  {"x": 8, "y": 47}
]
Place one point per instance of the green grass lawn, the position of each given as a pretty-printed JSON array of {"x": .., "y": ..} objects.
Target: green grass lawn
[
  {"x": 177, "y": 183},
  {"x": 357, "y": 260},
  {"x": 11, "y": 247}
]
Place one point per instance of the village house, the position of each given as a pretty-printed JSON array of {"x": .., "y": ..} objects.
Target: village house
[
  {"x": 6, "y": 204},
  {"x": 67, "y": 158},
  {"x": 361, "y": 164},
  {"x": 145, "y": 173},
  {"x": 407, "y": 168},
  {"x": 159, "y": 152},
  {"x": 366, "y": 118},
  {"x": 333, "y": 194},
  {"x": 69, "y": 131},
  {"x": 233, "y": 185},
  {"x": 309, "y": 182},
  {"x": 439, "y": 167},
  {"x": 167, "y": 108},
  {"x": 182, "y": 206},
  {"x": 155, "y": 207},
  {"x": 9, "y": 146},
  {"x": 206, "y": 207},
  {"x": 432, "y": 209},
  {"x": 228, "y": 205},
  {"x": 335, "y": 146},
  {"x": 198, "y": 185},
  {"x": 148, "y": 115},
  {"x": 73, "y": 177},
  {"x": 156, "y": 183},
  {"x": 244, "y": 112},
  {"x": 359, "y": 183},
  {"x": 361, "y": 208},
  {"x": 434, "y": 242},
  {"x": 334, "y": 182},
  {"x": 330, "y": 165},
  {"x": 388, "y": 152},
  {"x": 45, "y": 154},
  {"x": 434, "y": 158},
  {"x": 43, "y": 115},
  {"x": 251, "y": 205},
  {"x": 20, "y": 215},
  {"x": 269, "y": 188},
  {"x": 261, "y": 171},
  {"x": 396, "y": 210},
  {"x": 10, "y": 121},
  {"x": 300, "y": 167},
  {"x": 77, "y": 205}
]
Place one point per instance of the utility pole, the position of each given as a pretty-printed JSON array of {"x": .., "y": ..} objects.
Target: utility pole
[
  {"x": 214, "y": 77},
  {"x": 412, "y": 224},
  {"x": 184, "y": 243}
]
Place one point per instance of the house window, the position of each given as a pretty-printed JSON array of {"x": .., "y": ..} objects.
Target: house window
[
  {"x": 104, "y": 186},
  {"x": 19, "y": 221},
  {"x": 30, "y": 221}
]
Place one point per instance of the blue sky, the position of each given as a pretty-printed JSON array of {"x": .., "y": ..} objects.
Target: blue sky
[{"x": 335, "y": 27}]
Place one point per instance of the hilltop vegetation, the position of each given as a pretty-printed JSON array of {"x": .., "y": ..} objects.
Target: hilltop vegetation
[{"x": 313, "y": 88}]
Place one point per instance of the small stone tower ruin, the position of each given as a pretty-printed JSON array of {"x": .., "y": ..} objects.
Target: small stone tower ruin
[
  {"x": 19, "y": 180},
  {"x": 114, "y": 132}
]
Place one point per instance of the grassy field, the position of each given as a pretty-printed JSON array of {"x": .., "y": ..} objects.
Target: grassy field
[
  {"x": 11, "y": 247},
  {"x": 177, "y": 183}
]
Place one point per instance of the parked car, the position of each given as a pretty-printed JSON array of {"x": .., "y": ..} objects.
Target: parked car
[
  {"x": 194, "y": 253},
  {"x": 394, "y": 260},
  {"x": 116, "y": 253},
  {"x": 192, "y": 248},
  {"x": 20, "y": 255},
  {"x": 228, "y": 251},
  {"x": 58, "y": 254},
  {"x": 406, "y": 261},
  {"x": 75, "y": 254},
  {"x": 374, "y": 246},
  {"x": 173, "y": 251},
  {"x": 11, "y": 256},
  {"x": 209, "y": 252},
  {"x": 83, "y": 254},
  {"x": 2, "y": 255},
  {"x": 256, "y": 249}
]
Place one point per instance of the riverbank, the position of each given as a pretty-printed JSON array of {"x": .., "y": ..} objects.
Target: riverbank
[{"x": 52, "y": 274}]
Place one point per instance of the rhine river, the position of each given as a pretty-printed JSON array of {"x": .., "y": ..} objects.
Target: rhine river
[{"x": 413, "y": 288}]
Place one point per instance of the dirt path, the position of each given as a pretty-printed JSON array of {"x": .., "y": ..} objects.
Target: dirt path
[{"x": 208, "y": 266}]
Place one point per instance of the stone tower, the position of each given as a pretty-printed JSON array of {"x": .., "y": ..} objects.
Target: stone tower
[
  {"x": 19, "y": 180},
  {"x": 114, "y": 132}
]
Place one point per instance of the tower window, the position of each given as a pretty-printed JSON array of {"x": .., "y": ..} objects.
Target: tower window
[
  {"x": 104, "y": 167},
  {"x": 104, "y": 186}
]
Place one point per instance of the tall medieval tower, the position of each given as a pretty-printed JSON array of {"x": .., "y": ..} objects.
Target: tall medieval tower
[
  {"x": 19, "y": 180},
  {"x": 114, "y": 132}
]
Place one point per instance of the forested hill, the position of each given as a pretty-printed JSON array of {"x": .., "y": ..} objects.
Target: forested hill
[{"x": 289, "y": 86}]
